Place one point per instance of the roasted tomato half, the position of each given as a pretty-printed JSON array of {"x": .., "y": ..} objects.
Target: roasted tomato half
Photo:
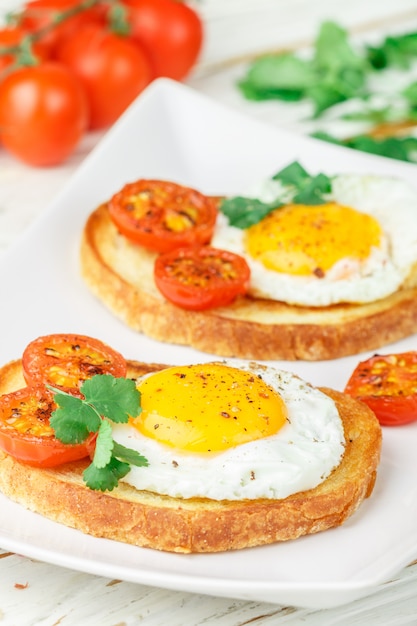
[
  {"x": 201, "y": 278},
  {"x": 162, "y": 216},
  {"x": 65, "y": 361},
  {"x": 388, "y": 385},
  {"x": 25, "y": 432}
]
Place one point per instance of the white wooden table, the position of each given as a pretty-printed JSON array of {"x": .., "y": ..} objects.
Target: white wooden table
[{"x": 35, "y": 593}]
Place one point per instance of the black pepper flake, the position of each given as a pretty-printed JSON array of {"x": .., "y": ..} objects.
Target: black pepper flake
[{"x": 319, "y": 272}]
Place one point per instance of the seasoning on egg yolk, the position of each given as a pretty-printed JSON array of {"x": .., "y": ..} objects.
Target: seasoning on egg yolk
[
  {"x": 208, "y": 408},
  {"x": 305, "y": 240}
]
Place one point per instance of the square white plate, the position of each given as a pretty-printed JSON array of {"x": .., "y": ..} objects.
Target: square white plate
[{"x": 174, "y": 133}]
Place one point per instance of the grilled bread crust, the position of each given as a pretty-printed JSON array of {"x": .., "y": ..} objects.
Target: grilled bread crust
[
  {"x": 120, "y": 275},
  {"x": 197, "y": 524}
]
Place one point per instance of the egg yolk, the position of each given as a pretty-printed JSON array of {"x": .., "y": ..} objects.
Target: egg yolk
[
  {"x": 302, "y": 240},
  {"x": 208, "y": 408}
]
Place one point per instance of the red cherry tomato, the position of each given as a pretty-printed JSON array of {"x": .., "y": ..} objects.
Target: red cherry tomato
[
  {"x": 39, "y": 15},
  {"x": 388, "y": 385},
  {"x": 65, "y": 361},
  {"x": 113, "y": 70},
  {"x": 43, "y": 113},
  {"x": 171, "y": 33},
  {"x": 25, "y": 432},
  {"x": 161, "y": 215},
  {"x": 201, "y": 278},
  {"x": 13, "y": 36}
]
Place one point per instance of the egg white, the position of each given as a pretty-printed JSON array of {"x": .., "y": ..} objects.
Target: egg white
[
  {"x": 390, "y": 201},
  {"x": 300, "y": 456}
]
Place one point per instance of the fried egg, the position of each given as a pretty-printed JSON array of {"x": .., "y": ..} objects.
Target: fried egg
[
  {"x": 231, "y": 431},
  {"x": 360, "y": 246}
]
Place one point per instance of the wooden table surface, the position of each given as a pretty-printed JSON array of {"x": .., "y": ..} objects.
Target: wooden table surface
[{"x": 36, "y": 593}]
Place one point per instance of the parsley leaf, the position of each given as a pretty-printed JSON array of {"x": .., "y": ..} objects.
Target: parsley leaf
[
  {"x": 337, "y": 71},
  {"x": 334, "y": 53},
  {"x": 341, "y": 70},
  {"x": 115, "y": 398},
  {"x": 394, "y": 51},
  {"x": 104, "y": 445},
  {"x": 74, "y": 420},
  {"x": 244, "y": 212},
  {"x": 106, "y": 399},
  {"x": 105, "y": 478},
  {"x": 400, "y": 148},
  {"x": 410, "y": 93},
  {"x": 129, "y": 456},
  {"x": 297, "y": 185},
  {"x": 292, "y": 174},
  {"x": 308, "y": 189},
  {"x": 314, "y": 190},
  {"x": 284, "y": 77}
]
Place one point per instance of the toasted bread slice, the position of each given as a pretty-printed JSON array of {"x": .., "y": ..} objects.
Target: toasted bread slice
[
  {"x": 197, "y": 524},
  {"x": 120, "y": 274}
]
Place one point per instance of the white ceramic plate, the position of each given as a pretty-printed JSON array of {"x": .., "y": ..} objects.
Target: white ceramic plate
[{"x": 173, "y": 133}]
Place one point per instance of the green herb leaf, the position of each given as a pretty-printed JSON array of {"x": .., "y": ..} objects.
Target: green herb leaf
[
  {"x": 334, "y": 53},
  {"x": 323, "y": 136},
  {"x": 379, "y": 115},
  {"x": 292, "y": 174},
  {"x": 128, "y": 455},
  {"x": 308, "y": 189},
  {"x": 284, "y": 77},
  {"x": 324, "y": 96},
  {"x": 335, "y": 73},
  {"x": 105, "y": 478},
  {"x": 106, "y": 399},
  {"x": 394, "y": 51},
  {"x": 74, "y": 420},
  {"x": 115, "y": 398},
  {"x": 104, "y": 445},
  {"x": 341, "y": 69},
  {"x": 400, "y": 148},
  {"x": 297, "y": 185},
  {"x": 410, "y": 93},
  {"x": 244, "y": 212},
  {"x": 314, "y": 191}
]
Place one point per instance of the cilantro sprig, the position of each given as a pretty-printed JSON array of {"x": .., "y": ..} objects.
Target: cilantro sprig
[
  {"x": 296, "y": 185},
  {"x": 106, "y": 399},
  {"x": 338, "y": 70},
  {"x": 399, "y": 148},
  {"x": 334, "y": 73}
]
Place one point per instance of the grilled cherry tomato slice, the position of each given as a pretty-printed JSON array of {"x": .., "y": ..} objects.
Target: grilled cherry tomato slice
[
  {"x": 162, "y": 215},
  {"x": 25, "y": 432},
  {"x": 65, "y": 361},
  {"x": 201, "y": 278},
  {"x": 388, "y": 385}
]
